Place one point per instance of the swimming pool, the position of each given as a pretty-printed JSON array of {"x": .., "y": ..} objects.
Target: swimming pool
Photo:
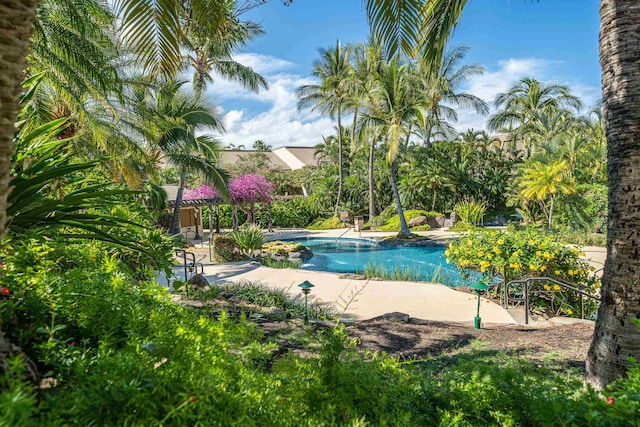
[{"x": 353, "y": 255}]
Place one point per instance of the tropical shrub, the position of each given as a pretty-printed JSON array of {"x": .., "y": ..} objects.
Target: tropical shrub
[
  {"x": 294, "y": 213},
  {"x": 528, "y": 253},
  {"x": 326, "y": 224},
  {"x": 470, "y": 212},
  {"x": 225, "y": 249},
  {"x": 393, "y": 223},
  {"x": 248, "y": 239}
]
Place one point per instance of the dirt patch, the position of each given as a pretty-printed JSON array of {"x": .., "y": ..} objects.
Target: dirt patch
[{"x": 423, "y": 339}]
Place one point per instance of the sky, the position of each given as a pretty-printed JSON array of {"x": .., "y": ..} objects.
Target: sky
[{"x": 550, "y": 40}]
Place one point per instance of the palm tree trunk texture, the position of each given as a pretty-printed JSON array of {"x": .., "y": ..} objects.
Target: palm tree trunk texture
[
  {"x": 552, "y": 203},
  {"x": 16, "y": 25},
  {"x": 335, "y": 211},
  {"x": 616, "y": 335},
  {"x": 404, "y": 228},
  {"x": 175, "y": 220},
  {"x": 372, "y": 200}
]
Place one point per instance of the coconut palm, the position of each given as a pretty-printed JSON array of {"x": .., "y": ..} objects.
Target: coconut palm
[
  {"x": 172, "y": 118},
  {"x": 616, "y": 338},
  {"x": 541, "y": 181},
  {"x": 396, "y": 105},
  {"x": 441, "y": 89},
  {"x": 330, "y": 96},
  {"x": 212, "y": 52},
  {"x": 522, "y": 105}
]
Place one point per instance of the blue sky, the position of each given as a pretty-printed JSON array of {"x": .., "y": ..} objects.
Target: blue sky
[{"x": 551, "y": 40}]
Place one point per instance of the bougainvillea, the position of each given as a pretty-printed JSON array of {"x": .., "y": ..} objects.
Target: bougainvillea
[
  {"x": 249, "y": 189},
  {"x": 525, "y": 254},
  {"x": 203, "y": 192}
]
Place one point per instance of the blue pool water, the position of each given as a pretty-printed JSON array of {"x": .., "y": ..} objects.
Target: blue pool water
[{"x": 352, "y": 255}]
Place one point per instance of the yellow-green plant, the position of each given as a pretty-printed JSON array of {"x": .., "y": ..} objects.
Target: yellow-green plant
[
  {"x": 470, "y": 212},
  {"x": 524, "y": 254},
  {"x": 249, "y": 239}
]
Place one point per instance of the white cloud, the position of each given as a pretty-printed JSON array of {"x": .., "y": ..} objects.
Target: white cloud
[
  {"x": 277, "y": 121},
  {"x": 508, "y": 73}
]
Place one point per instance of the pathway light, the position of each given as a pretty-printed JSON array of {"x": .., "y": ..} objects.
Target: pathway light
[
  {"x": 479, "y": 288},
  {"x": 306, "y": 288}
]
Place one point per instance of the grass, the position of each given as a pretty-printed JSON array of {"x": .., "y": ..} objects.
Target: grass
[
  {"x": 265, "y": 296},
  {"x": 279, "y": 263},
  {"x": 407, "y": 274},
  {"x": 326, "y": 224}
]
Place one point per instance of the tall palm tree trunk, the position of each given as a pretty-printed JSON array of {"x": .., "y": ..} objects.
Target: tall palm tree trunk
[
  {"x": 16, "y": 25},
  {"x": 372, "y": 200},
  {"x": 340, "y": 172},
  {"x": 175, "y": 220},
  {"x": 404, "y": 228},
  {"x": 616, "y": 336}
]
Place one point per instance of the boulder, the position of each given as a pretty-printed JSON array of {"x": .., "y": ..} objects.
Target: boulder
[
  {"x": 419, "y": 220},
  {"x": 396, "y": 316},
  {"x": 199, "y": 282},
  {"x": 437, "y": 222}
]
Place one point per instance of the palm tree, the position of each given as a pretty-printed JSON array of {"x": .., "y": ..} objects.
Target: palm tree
[
  {"x": 212, "y": 52},
  {"x": 368, "y": 62},
  {"x": 616, "y": 338},
  {"x": 523, "y": 103},
  {"x": 330, "y": 95},
  {"x": 173, "y": 118},
  {"x": 442, "y": 84},
  {"x": 396, "y": 105},
  {"x": 540, "y": 181}
]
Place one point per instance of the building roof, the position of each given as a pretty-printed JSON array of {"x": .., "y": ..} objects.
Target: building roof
[{"x": 230, "y": 157}]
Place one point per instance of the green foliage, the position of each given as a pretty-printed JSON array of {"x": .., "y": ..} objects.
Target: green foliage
[
  {"x": 407, "y": 274},
  {"x": 294, "y": 213},
  {"x": 225, "y": 249},
  {"x": 266, "y": 296},
  {"x": 120, "y": 352},
  {"x": 525, "y": 253},
  {"x": 393, "y": 223},
  {"x": 326, "y": 224},
  {"x": 268, "y": 261},
  {"x": 425, "y": 227},
  {"x": 248, "y": 239},
  {"x": 470, "y": 212}
]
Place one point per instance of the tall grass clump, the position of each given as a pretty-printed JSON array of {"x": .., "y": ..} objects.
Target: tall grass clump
[
  {"x": 249, "y": 239},
  {"x": 266, "y": 296},
  {"x": 471, "y": 212},
  {"x": 406, "y": 274}
]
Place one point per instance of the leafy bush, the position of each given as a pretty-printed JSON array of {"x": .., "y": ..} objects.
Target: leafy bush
[
  {"x": 425, "y": 227},
  {"x": 326, "y": 224},
  {"x": 248, "y": 239},
  {"x": 226, "y": 220},
  {"x": 294, "y": 213},
  {"x": 119, "y": 352},
  {"x": 225, "y": 249},
  {"x": 279, "y": 263},
  {"x": 470, "y": 212},
  {"x": 393, "y": 224},
  {"x": 526, "y": 253}
]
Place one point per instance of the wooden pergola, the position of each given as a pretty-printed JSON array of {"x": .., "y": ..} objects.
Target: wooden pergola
[{"x": 198, "y": 204}]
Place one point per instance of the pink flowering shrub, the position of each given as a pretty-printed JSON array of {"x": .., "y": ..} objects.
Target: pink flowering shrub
[
  {"x": 250, "y": 189},
  {"x": 247, "y": 190},
  {"x": 203, "y": 192}
]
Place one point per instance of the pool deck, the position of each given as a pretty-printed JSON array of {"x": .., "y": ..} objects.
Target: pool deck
[{"x": 366, "y": 299}]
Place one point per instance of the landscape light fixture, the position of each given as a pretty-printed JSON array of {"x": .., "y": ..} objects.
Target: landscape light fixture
[
  {"x": 479, "y": 288},
  {"x": 306, "y": 288}
]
